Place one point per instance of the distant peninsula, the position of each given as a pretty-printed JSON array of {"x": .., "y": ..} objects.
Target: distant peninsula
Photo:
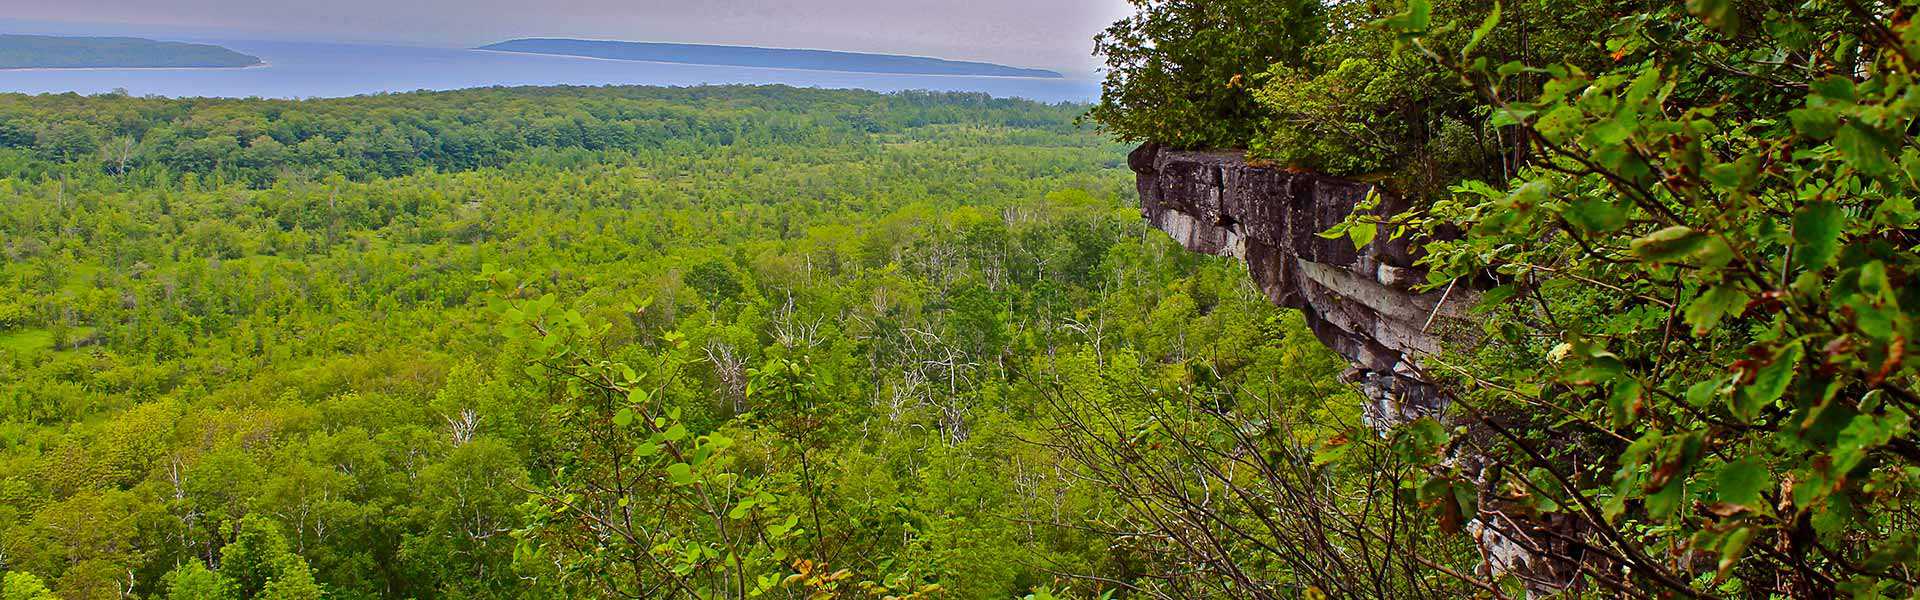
[
  {"x": 748, "y": 56},
  {"x": 51, "y": 52}
]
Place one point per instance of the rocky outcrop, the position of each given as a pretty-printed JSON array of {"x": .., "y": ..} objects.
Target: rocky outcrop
[
  {"x": 1363, "y": 303},
  {"x": 1367, "y": 304}
]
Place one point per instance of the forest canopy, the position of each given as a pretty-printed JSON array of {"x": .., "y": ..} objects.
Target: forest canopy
[
  {"x": 571, "y": 342},
  {"x": 757, "y": 341}
]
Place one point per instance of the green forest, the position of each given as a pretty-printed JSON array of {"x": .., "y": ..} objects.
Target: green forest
[
  {"x": 558, "y": 343},
  {"x": 741, "y": 342}
]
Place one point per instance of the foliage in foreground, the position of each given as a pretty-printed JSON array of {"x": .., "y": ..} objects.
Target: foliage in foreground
[
  {"x": 1700, "y": 250},
  {"x": 1742, "y": 178}
]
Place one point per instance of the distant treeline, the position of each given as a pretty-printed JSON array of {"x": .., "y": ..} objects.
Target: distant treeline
[
  {"x": 394, "y": 134},
  {"x": 50, "y": 52},
  {"x": 778, "y": 58}
]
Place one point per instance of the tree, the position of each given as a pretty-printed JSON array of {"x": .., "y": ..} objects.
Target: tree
[
  {"x": 473, "y": 514},
  {"x": 261, "y": 566},
  {"x": 714, "y": 280},
  {"x": 645, "y": 506},
  {"x": 14, "y": 135},
  {"x": 293, "y": 582},
  {"x": 21, "y": 585},
  {"x": 1180, "y": 72},
  {"x": 194, "y": 581}
]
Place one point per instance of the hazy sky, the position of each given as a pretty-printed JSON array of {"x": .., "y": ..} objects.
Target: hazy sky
[{"x": 1038, "y": 33}]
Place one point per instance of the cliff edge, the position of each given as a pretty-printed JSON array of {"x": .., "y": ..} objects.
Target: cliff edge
[{"x": 1363, "y": 303}]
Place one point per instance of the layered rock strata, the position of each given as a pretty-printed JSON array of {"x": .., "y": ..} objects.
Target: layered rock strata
[
  {"x": 1367, "y": 304},
  {"x": 1362, "y": 303}
]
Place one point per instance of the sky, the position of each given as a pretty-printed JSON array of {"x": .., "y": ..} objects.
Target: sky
[{"x": 1054, "y": 34}]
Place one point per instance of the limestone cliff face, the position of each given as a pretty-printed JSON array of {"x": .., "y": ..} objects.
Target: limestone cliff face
[
  {"x": 1364, "y": 304},
  {"x": 1361, "y": 303}
]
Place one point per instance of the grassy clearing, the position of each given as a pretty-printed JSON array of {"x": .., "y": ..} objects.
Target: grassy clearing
[{"x": 26, "y": 340}]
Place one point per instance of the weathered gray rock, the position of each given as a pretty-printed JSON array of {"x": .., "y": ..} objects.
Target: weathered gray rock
[
  {"x": 1364, "y": 304},
  {"x": 1361, "y": 303}
]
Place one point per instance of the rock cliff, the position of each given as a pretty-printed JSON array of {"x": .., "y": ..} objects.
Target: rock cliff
[{"x": 1363, "y": 303}]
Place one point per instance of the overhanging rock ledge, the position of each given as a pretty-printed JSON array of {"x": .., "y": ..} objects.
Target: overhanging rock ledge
[{"x": 1361, "y": 303}]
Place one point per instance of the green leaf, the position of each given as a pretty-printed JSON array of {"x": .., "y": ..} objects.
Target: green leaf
[
  {"x": 1362, "y": 234},
  {"x": 1598, "y": 371},
  {"x": 1331, "y": 451},
  {"x": 1816, "y": 233},
  {"x": 1864, "y": 434},
  {"x": 781, "y": 528},
  {"x": 1416, "y": 19},
  {"x": 1497, "y": 297},
  {"x": 1897, "y": 210},
  {"x": 1560, "y": 124},
  {"x": 1718, "y": 14},
  {"x": 1734, "y": 176},
  {"x": 1743, "y": 481},
  {"x": 680, "y": 473},
  {"x": 1903, "y": 549},
  {"x": 1874, "y": 281},
  {"x": 1480, "y": 33},
  {"x": 624, "y": 417},
  {"x": 1700, "y": 395},
  {"x": 1643, "y": 86},
  {"x": 1612, "y": 132},
  {"x": 1732, "y": 548},
  {"x": 1511, "y": 115},
  {"x": 1769, "y": 382},
  {"x": 1707, "y": 310},
  {"x": 1833, "y": 89},
  {"x": 1662, "y": 504},
  {"x": 1867, "y": 149},
  {"x": 1596, "y": 215},
  {"x": 1339, "y": 230},
  {"x": 1625, "y": 401},
  {"x": 1817, "y": 123},
  {"x": 1713, "y": 254},
  {"x": 675, "y": 433},
  {"x": 1670, "y": 244}
]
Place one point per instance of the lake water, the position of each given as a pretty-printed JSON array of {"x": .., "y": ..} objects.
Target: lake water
[{"x": 308, "y": 70}]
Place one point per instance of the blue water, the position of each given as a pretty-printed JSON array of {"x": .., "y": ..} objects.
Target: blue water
[{"x": 317, "y": 70}]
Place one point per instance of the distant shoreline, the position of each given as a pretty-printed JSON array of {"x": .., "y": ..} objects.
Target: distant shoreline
[
  {"x": 804, "y": 69},
  {"x": 263, "y": 64}
]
